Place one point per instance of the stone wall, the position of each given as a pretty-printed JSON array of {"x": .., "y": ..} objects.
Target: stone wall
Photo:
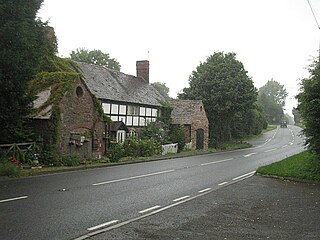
[{"x": 78, "y": 115}]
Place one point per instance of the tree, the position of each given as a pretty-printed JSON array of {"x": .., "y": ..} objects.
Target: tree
[
  {"x": 225, "y": 88},
  {"x": 272, "y": 98},
  {"x": 95, "y": 57},
  {"x": 308, "y": 107},
  {"x": 162, "y": 89},
  {"x": 22, "y": 45}
]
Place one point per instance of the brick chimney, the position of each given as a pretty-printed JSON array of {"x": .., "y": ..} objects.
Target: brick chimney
[{"x": 143, "y": 70}]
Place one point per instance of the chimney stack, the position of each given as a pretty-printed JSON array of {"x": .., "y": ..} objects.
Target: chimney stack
[{"x": 143, "y": 70}]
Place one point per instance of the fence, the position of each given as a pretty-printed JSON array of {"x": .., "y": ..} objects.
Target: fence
[
  {"x": 188, "y": 146},
  {"x": 14, "y": 148},
  {"x": 169, "y": 148}
]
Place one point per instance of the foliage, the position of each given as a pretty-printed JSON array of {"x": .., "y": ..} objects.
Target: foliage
[
  {"x": 308, "y": 107},
  {"x": 272, "y": 98},
  {"x": 226, "y": 90},
  {"x": 23, "y": 46},
  {"x": 304, "y": 165},
  {"x": 157, "y": 131},
  {"x": 177, "y": 135},
  {"x": 134, "y": 147},
  {"x": 8, "y": 168},
  {"x": 70, "y": 160},
  {"x": 95, "y": 57},
  {"x": 162, "y": 89}
]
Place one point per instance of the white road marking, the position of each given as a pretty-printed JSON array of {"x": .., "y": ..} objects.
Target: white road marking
[
  {"x": 223, "y": 183},
  {"x": 244, "y": 175},
  {"x": 249, "y": 155},
  {"x": 271, "y": 150},
  {"x": 150, "y": 209},
  {"x": 13, "y": 199},
  {"x": 291, "y": 143},
  {"x": 131, "y": 178},
  {"x": 284, "y": 146},
  {"x": 181, "y": 198},
  {"x": 102, "y": 225},
  {"x": 204, "y": 190},
  {"x": 220, "y": 161}
]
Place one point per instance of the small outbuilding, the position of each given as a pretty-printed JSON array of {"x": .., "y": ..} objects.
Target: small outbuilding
[{"x": 192, "y": 115}]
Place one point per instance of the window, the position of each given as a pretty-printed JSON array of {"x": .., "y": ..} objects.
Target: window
[
  {"x": 142, "y": 121},
  {"x": 154, "y": 112},
  {"x": 148, "y": 111},
  {"x": 135, "y": 121},
  {"x": 114, "y": 118},
  {"x": 133, "y": 110},
  {"x": 106, "y": 108},
  {"x": 129, "y": 121},
  {"x": 114, "y": 108},
  {"x": 123, "y": 109},
  {"x": 79, "y": 92},
  {"x": 142, "y": 111},
  {"x": 121, "y": 136}
]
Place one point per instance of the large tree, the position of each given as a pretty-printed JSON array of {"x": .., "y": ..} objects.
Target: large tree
[
  {"x": 272, "y": 98},
  {"x": 95, "y": 57},
  {"x": 162, "y": 89},
  {"x": 22, "y": 44},
  {"x": 308, "y": 107},
  {"x": 225, "y": 88}
]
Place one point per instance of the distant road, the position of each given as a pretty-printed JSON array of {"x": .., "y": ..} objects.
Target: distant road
[{"x": 74, "y": 204}]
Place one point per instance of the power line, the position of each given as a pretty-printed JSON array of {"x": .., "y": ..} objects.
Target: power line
[{"x": 314, "y": 15}]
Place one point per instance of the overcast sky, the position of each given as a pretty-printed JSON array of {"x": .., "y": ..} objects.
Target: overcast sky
[{"x": 272, "y": 38}]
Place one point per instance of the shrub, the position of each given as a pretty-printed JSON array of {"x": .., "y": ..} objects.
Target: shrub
[
  {"x": 8, "y": 169},
  {"x": 149, "y": 147},
  {"x": 116, "y": 152},
  {"x": 177, "y": 135},
  {"x": 70, "y": 160}
]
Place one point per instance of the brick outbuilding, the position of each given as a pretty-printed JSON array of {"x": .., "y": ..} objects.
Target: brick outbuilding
[{"x": 192, "y": 115}]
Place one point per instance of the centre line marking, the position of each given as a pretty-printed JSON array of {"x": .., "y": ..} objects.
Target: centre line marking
[
  {"x": 204, "y": 190},
  {"x": 13, "y": 199},
  {"x": 223, "y": 183},
  {"x": 249, "y": 155},
  {"x": 244, "y": 175},
  {"x": 130, "y": 178},
  {"x": 182, "y": 198},
  {"x": 285, "y": 146},
  {"x": 150, "y": 209},
  {"x": 225, "y": 160},
  {"x": 102, "y": 225},
  {"x": 271, "y": 150}
]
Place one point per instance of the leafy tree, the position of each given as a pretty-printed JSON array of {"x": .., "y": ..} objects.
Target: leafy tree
[
  {"x": 22, "y": 46},
  {"x": 226, "y": 90},
  {"x": 95, "y": 57},
  {"x": 272, "y": 98},
  {"x": 162, "y": 89},
  {"x": 308, "y": 107}
]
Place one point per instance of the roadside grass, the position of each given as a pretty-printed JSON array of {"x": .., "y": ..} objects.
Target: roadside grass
[
  {"x": 304, "y": 165},
  {"x": 269, "y": 128}
]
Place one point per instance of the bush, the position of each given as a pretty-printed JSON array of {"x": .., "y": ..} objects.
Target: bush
[
  {"x": 70, "y": 160},
  {"x": 8, "y": 169},
  {"x": 149, "y": 148},
  {"x": 116, "y": 152},
  {"x": 177, "y": 135}
]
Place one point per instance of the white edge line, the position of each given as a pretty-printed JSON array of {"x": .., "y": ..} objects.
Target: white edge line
[
  {"x": 181, "y": 198},
  {"x": 13, "y": 199},
  {"x": 204, "y": 190},
  {"x": 150, "y": 209},
  {"x": 131, "y": 178},
  {"x": 102, "y": 225},
  {"x": 223, "y": 183},
  {"x": 244, "y": 175},
  {"x": 225, "y": 160},
  {"x": 271, "y": 150}
]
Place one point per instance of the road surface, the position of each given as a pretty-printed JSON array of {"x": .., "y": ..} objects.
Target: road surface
[{"x": 77, "y": 205}]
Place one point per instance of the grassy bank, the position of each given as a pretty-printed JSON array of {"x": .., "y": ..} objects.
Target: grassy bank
[{"x": 303, "y": 166}]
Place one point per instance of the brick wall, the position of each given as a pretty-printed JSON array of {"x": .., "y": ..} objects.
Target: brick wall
[
  {"x": 200, "y": 121},
  {"x": 78, "y": 114}
]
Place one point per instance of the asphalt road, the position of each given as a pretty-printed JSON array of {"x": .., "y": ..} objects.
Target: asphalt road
[{"x": 77, "y": 205}]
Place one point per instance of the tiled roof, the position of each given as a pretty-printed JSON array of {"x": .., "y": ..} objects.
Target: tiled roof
[
  {"x": 184, "y": 111},
  {"x": 112, "y": 85}
]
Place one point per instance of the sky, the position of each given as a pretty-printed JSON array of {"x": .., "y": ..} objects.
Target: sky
[{"x": 274, "y": 39}]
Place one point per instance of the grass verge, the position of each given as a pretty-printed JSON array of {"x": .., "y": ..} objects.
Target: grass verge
[{"x": 304, "y": 165}]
